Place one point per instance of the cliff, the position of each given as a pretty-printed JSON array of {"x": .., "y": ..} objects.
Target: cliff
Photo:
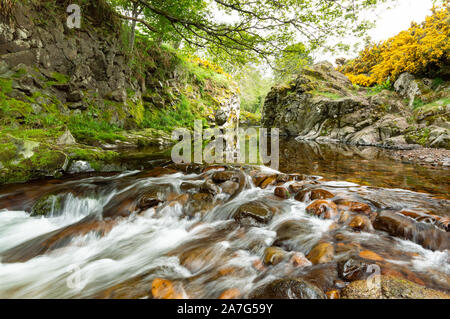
[
  {"x": 322, "y": 104},
  {"x": 79, "y": 94}
]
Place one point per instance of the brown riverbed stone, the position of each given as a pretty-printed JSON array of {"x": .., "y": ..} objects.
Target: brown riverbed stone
[
  {"x": 288, "y": 289},
  {"x": 165, "y": 289},
  {"x": 333, "y": 294},
  {"x": 321, "y": 253},
  {"x": 313, "y": 194},
  {"x": 273, "y": 255},
  {"x": 281, "y": 192},
  {"x": 322, "y": 208},
  {"x": 232, "y": 293},
  {"x": 367, "y": 254},
  {"x": 299, "y": 260},
  {"x": 268, "y": 182},
  {"x": 360, "y": 223},
  {"x": 253, "y": 214},
  {"x": 223, "y": 176}
]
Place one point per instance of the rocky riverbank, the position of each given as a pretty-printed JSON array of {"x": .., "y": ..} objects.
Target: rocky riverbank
[
  {"x": 423, "y": 156},
  {"x": 321, "y": 104},
  {"x": 71, "y": 95}
]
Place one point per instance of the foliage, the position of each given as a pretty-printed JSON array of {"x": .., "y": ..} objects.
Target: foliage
[
  {"x": 246, "y": 30},
  {"x": 423, "y": 49},
  {"x": 291, "y": 61},
  {"x": 254, "y": 87}
]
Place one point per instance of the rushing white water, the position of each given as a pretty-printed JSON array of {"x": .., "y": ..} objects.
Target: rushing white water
[{"x": 144, "y": 244}]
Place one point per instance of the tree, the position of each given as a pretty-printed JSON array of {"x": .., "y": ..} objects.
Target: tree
[
  {"x": 291, "y": 60},
  {"x": 256, "y": 29},
  {"x": 254, "y": 87},
  {"x": 134, "y": 9}
]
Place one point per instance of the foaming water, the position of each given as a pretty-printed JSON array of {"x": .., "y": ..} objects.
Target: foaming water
[{"x": 207, "y": 252}]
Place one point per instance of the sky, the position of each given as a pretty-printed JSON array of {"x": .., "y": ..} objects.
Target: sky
[{"x": 389, "y": 22}]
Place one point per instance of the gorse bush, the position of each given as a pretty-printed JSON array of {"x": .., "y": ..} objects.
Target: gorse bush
[{"x": 423, "y": 49}]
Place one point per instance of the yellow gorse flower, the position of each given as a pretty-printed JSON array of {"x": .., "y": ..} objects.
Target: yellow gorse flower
[
  {"x": 208, "y": 65},
  {"x": 414, "y": 50}
]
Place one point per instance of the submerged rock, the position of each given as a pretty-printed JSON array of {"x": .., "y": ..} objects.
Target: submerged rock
[
  {"x": 47, "y": 205},
  {"x": 273, "y": 255},
  {"x": 404, "y": 227},
  {"x": 321, "y": 253},
  {"x": 253, "y": 214},
  {"x": 323, "y": 209}
]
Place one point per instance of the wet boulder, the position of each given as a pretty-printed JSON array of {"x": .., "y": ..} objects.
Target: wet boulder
[
  {"x": 281, "y": 192},
  {"x": 310, "y": 195},
  {"x": 223, "y": 176},
  {"x": 299, "y": 260},
  {"x": 353, "y": 206},
  {"x": 297, "y": 186},
  {"x": 292, "y": 288},
  {"x": 166, "y": 289},
  {"x": 56, "y": 239},
  {"x": 361, "y": 223},
  {"x": 292, "y": 234},
  {"x": 273, "y": 255},
  {"x": 323, "y": 209},
  {"x": 150, "y": 199},
  {"x": 209, "y": 187},
  {"x": 229, "y": 187},
  {"x": 354, "y": 269},
  {"x": 47, "y": 205},
  {"x": 404, "y": 227},
  {"x": 253, "y": 213},
  {"x": 321, "y": 253},
  {"x": 199, "y": 203}
]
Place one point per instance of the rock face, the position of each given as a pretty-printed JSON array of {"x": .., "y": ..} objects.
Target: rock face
[
  {"x": 87, "y": 66},
  {"x": 407, "y": 87},
  {"x": 227, "y": 114},
  {"x": 321, "y": 104}
]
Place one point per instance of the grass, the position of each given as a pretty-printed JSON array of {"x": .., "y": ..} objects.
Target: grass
[
  {"x": 85, "y": 129},
  {"x": 167, "y": 119},
  {"x": 329, "y": 95},
  {"x": 420, "y": 106}
]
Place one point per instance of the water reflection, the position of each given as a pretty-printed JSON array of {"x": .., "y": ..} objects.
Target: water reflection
[{"x": 368, "y": 166}]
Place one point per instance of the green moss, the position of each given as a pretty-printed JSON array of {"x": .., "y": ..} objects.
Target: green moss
[
  {"x": 88, "y": 130},
  {"x": 45, "y": 205},
  {"x": 7, "y": 151},
  {"x": 419, "y": 136},
  {"x": 57, "y": 79},
  {"x": 329, "y": 95},
  {"x": 91, "y": 154},
  {"x": 5, "y": 86},
  {"x": 250, "y": 118}
]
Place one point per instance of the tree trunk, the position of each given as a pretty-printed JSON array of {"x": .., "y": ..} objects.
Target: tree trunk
[{"x": 136, "y": 12}]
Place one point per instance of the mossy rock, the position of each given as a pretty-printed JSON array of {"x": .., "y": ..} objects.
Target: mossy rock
[{"x": 46, "y": 205}]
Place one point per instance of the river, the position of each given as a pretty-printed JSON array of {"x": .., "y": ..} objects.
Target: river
[{"x": 123, "y": 235}]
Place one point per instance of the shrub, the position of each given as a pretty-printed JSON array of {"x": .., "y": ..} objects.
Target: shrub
[{"x": 423, "y": 49}]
